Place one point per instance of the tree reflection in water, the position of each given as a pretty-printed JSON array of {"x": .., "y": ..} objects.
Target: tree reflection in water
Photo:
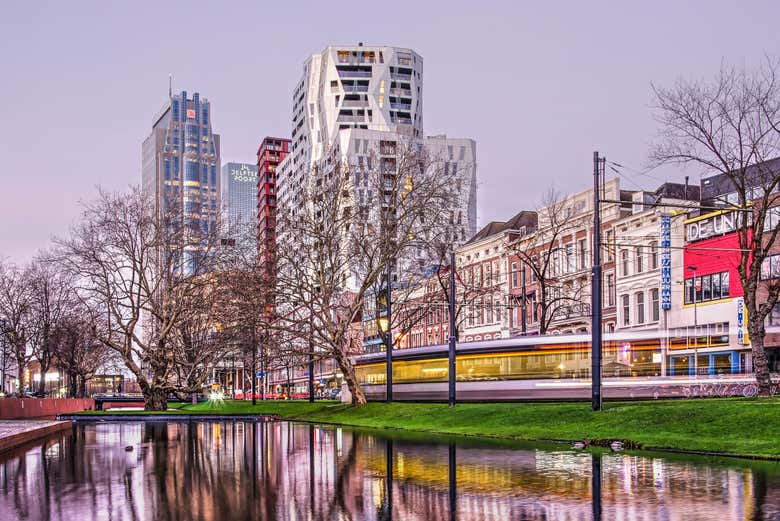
[{"x": 277, "y": 470}]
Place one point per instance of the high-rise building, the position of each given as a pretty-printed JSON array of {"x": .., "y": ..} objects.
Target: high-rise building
[
  {"x": 239, "y": 193},
  {"x": 363, "y": 101},
  {"x": 272, "y": 151},
  {"x": 180, "y": 159}
]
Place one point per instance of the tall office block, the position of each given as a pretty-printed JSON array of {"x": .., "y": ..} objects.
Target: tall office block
[
  {"x": 272, "y": 151},
  {"x": 239, "y": 193},
  {"x": 180, "y": 159}
]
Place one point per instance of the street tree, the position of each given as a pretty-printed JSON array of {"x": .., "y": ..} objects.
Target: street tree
[
  {"x": 353, "y": 223},
  {"x": 77, "y": 350},
  {"x": 52, "y": 296},
  {"x": 15, "y": 317},
  {"x": 140, "y": 269},
  {"x": 543, "y": 253},
  {"x": 730, "y": 125}
]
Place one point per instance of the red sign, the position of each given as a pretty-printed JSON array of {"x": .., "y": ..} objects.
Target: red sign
[{"x": 190, "y": 114}]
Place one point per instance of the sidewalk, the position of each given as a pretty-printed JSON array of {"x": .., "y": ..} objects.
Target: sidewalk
[{"x": 16, "y": 432}]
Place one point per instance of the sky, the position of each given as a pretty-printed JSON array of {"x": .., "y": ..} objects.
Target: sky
[{"x": 538, "y": 85}]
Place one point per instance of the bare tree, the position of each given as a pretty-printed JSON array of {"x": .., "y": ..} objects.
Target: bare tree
[
  {"x": 140, "y": 270},
  {"x": 246, "y": 302},
  {"x": 52, "y": 296},
  {"x": 15, "y": 310},
  {"x": 353, "y": 222},
  {"x": 543, "y": 253},
  {"x": 77, "y": 350},
  {"x": 731, "y": 126}
]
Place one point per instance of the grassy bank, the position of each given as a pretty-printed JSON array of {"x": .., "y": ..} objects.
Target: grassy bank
[{"x": 747, "y": 427}]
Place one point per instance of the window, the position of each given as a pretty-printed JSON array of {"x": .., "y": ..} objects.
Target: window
[
  {"x": 714, "y": 286},
  {"x": 640, "y": 307},
  {"x": 654, "y": 305},
  {"x": 774, "y": 316},
  {"x": 610, "y": 245},
  {"x": 653, "y": 255},
  {"x": 639, "y": 259},
  {"x": 624, "y": 261},
  {"x": 772, "y": 219},
  {"x": 583, "y": 252},
  {"x": 490, "y": 310},
  {"x": 770, "y": 268},
  {"x": 570, "y": 258},
  {"x": 610, "y": 289},
  {"x": 514, "y": 275},
  {"x": 626, "y": 310}
]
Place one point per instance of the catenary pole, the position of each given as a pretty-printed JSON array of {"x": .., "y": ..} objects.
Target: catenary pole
[
  {"x": 451, "y": 357},
  {"x": 596, "y": 310},
  {"x": 524, "y": 301},
  {"x": 389, "y": 337}
]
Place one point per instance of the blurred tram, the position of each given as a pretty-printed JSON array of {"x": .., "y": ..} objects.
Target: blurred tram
[{"x": 634, "y": 365}]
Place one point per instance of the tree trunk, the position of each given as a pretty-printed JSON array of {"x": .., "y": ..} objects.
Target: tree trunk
[
  {"x": 82, "y": 390},
  {"x": 155, "y": 398},
  {"x": 73, "y": 385},
  {"x": 347, "y": 369},
  {"x": 760, "y": 361},
  {"x": 21, "y": 374}
]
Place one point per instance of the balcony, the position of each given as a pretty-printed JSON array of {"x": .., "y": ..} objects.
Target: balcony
[
  {"x": 354, "y": 104},
  {"x": 401, "y": 106},
  {"x": 351, "y": 119},
  {"x": 401, "y": 76},
  {"x": 400, "y": 92},
  {"x": 355, "y": 88}
]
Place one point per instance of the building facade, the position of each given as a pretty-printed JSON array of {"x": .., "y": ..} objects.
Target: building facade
[
  {"x": 239, "y": 193},
  {"x": 363, "y": 104},
  {"x": 272, "y": 151},
  {"x": 180, "y": 163}
]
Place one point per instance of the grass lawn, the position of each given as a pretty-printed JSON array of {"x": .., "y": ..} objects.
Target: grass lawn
[{"x": 740, "y": 426}]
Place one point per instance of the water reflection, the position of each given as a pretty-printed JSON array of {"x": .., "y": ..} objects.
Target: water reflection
[{"x": 217, "y": 471}]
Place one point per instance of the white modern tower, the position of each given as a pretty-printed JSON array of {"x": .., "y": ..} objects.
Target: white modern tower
[{"x": 358, "y": 100}]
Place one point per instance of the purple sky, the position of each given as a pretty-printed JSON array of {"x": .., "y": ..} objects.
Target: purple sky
[{"x": 538, "y": 86}]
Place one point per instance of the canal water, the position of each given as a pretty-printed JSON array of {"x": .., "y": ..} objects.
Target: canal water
[{"x": 290, "y": 471}]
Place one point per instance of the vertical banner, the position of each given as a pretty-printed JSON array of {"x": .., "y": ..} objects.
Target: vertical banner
[
  {"x": 740, "y": 321},
  {"x": 666, "y": 261}
]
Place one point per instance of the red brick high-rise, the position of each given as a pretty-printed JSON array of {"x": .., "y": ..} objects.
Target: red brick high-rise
[{"x": 271, "y": 152}]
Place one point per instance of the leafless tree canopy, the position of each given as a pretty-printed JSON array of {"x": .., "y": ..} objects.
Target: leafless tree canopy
[
  {"x": 146, "y": 276},
  {"x": 15, "y": 317},
  {"x": 353, "y": 223},
  {"x": 541, "y": 252},
  {"x": 731, "y": 126}
]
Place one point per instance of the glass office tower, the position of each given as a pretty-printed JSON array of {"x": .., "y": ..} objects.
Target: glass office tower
[{"x": 180, "y": 160}]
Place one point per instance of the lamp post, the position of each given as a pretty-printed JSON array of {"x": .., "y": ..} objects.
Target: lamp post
[
  {"x": 451, "y": 352},
  {"x": 695, "y": 325},
  {"x": 386, "y": 327}
]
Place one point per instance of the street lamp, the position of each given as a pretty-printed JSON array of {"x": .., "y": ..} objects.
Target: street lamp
[
  {"x": 385, "y": 327},
  {"x": 695, "y": 323}
]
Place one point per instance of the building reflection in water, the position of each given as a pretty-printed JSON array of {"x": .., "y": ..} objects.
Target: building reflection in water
[{"x": 278, "y": 470}]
